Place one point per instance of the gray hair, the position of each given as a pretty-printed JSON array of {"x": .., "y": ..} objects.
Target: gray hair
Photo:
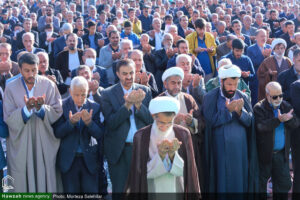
[
  {"x": 135, "y": 51},
  {"x": 145, "y": 35},
  {"x": 189, "y": 58},
  {"x": 170, "y": 27},
  {"x": 79, "y": 81},
  {"x": 126, "y": 41},
  {"x": 167, "y": 34},
  {"x": 272, "y": 85},
  {"x": 67, "y": 27},
  {"x": 27, "y": 20},
  {"x": 28, "y": 34},
  {"x": 43, "y": 54}
]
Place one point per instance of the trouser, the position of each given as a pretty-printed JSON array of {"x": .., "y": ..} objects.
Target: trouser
[
  {"x": 295, "y": 141},
  {"x": 78, "y": 179},
  {"x": 119, "y": 171},
  {"x": 279, "y": 170},
  {"x": 1, "y": 176}
]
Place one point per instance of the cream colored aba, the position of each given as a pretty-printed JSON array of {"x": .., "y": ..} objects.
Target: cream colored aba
[{"x": 164, "y": 104}]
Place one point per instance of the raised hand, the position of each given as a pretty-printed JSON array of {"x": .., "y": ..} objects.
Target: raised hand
[
  {"x": 163, "y": 148},
  {"x": 30, "y": 103},
  {"x": 139, "y": 97},
  {"x": 145, "y": 78},
  {"x": 230, "y": 105},
  {"x": 196, "y": 80},
  {"x": 52, "y": 78},
  {"x": 39, "y": 101},
  {"x": 96, "y": 76},
  {"x": 87, "y": 116},
  {"x": 189, "y": 118},
  {"x": 74, "y": 118},
  {"x": 174, "y": 146}
]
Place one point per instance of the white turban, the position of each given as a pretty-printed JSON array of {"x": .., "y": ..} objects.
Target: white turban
[
  {"x": 229, "y": 71},
  {"x": 278, "y": 41},
  {"x": 164, "y": 104},
  {"x": 173, "y": 71}
]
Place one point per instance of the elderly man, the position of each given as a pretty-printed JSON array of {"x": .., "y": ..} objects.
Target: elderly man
[
  {"x": 28, "y": 42},
  {"x": 275, "y": 122},
  {"x": 225, "y": 47},
  {"x": 161, "y": 58},
  {"x": 8, "y": 68},
  {"x": 70, "y": 58},
  {"x": 230, "y": 146},
  {"x": 161, "y": 151},
  {"x": 202, "y": 44},
  {"x": 110, "y": 53},
  {"x": 272, "y": 66},
  {"x": 125, "y": 110},
  {"x": 27, "y": 25},
  {"x": 32, "y": 103},
  {"x": 148, "y": 52},
  {"x": 192, "y": 84},
  {"x": 52, "y": 74},
  {"x": 248, "y": 29},
  {"x": 142, "y": 76},
  {"x": 78, "y": 128},
  {"x": 189, "y": 113},
  {"x": 183, "y": 29},
  {"x": 156, "y": 35}
]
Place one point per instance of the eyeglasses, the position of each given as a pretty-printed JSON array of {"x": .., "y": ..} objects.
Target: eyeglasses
[{"x": 276, "y": 96}]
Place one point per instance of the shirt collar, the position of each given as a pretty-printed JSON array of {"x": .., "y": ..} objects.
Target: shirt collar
[{"x": 127, "y": 91}]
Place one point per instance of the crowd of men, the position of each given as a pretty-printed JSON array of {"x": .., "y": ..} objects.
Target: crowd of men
[{"x": 176, "y": 96}]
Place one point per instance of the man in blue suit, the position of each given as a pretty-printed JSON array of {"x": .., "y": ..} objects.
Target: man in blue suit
[
  {"x": 79, "y": 128},
  {"x": 60, "y": 43},
  {"x": 125, "y": 109},
  {"x": 257, "y": 53}
]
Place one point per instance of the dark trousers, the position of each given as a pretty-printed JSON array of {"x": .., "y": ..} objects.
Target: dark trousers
[
  {"x": 119, "y": 172},
  {"x": 295, "y": 141},
  {"x": 79, "y": 180},
  {"x": 1, "y": 176},
  {"x": 280, "y": 172}
]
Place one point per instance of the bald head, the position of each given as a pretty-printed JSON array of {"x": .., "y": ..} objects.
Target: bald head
[
  {"x": 272, "y": 87},
  {"x": 274, "y": 94}
]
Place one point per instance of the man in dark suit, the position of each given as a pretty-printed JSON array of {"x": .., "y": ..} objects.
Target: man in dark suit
[
  {"x": 183, "y": 29},
  {"x": 28, "y": 42},
  {"x": 93, "y": 39},
  {"x": 70, "y": 58},
  {"x": 60, "y": 43},
  {"x": 78, "y": 128},
  {"x": 46, "y": 41},
  {"x": 125, "y": 109},
  {"x": 27, "y": 25}
]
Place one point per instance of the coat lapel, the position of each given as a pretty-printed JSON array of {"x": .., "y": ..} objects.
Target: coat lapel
[{"x": 119, "y": 94}]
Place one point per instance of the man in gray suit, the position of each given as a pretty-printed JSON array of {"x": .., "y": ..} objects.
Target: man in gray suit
[{"x": 125, "y": 109}]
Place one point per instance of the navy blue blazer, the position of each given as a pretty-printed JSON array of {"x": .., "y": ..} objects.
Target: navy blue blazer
[
  {"x": 79, "y": 134},
  {"x": 103, "y": 76},
  {"x": 60, "y": 43},
  {"x": 256, "y": 55},
  {"x": 181, "y": 31},
  {"x": 3, "y": 134}
]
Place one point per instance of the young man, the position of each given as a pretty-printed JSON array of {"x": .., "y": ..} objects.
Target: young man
[{"x": 163, "y": 158}]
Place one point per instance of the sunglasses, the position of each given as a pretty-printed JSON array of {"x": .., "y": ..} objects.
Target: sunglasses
[{"x": 276, "y": 97}]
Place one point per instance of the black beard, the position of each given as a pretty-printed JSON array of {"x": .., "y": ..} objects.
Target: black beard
[{"x": 226, "y": 94}]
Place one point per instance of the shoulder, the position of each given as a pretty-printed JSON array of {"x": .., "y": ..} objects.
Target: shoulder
[
  {"x": 143, "y": 87},
  {"x": 95, "y": 106},
  {"x": 191, "y": 36},
  {"x": 189, "y": 97},
  {"x": 284, "y": 74},
  {"x": 209, "y": 35},
  {"x": 296, "y": 85},
  {"x": 43, "y": 80},
  {"x": 259, "y": 105},
  {"x": 182, "y": 131},
  {"x": 212, "y": 94}
]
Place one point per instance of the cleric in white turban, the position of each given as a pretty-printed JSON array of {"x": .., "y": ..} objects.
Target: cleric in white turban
[
  {"x": 230, "y": 147},
  {"x": 163, "y": 159}
]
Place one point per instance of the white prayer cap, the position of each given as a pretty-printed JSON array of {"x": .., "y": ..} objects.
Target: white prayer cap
[
  {"x": 278, "y": 41},
  {"x": 164, "y": 104},
  {"x": 173, "y": 71},
  {"x": 229, "y": 71}
]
